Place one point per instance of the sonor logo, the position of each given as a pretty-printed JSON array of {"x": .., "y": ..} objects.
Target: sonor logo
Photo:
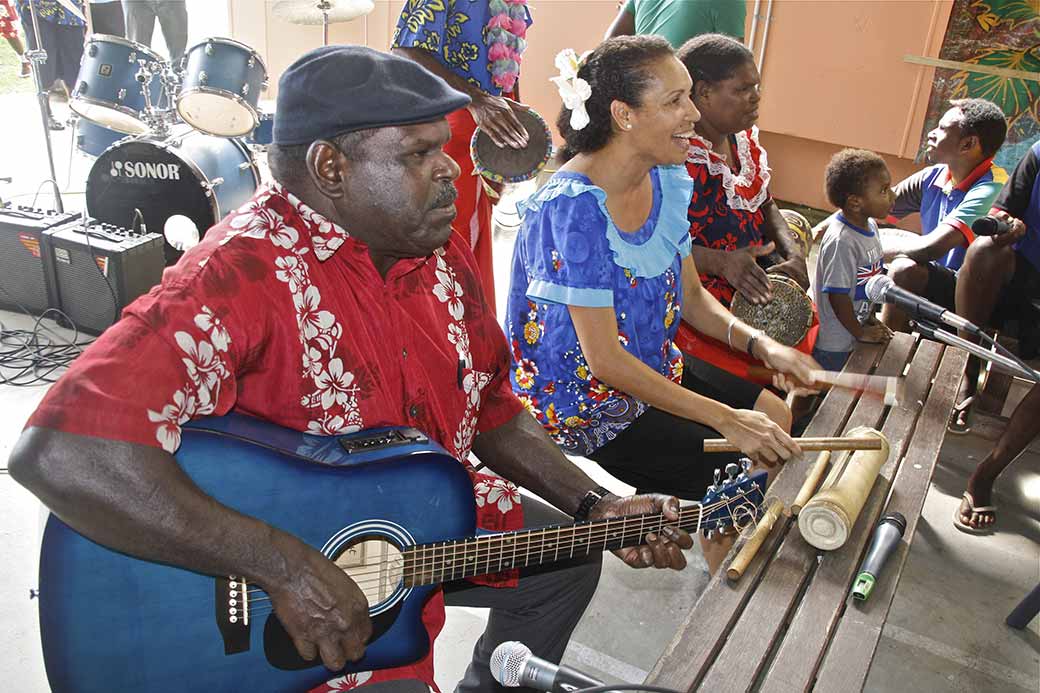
[{"x": 145, "y": 169}]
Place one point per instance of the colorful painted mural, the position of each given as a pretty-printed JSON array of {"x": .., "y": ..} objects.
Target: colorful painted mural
[{"x": 995, "y": 33}]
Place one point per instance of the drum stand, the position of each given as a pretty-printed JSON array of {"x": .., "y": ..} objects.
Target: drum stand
[
  {"x": 37, "y": 57},
  {"x": 157, "y": 118}
]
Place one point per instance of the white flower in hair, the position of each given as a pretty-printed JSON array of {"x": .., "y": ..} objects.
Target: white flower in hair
[{"x": 574, "y": 91}]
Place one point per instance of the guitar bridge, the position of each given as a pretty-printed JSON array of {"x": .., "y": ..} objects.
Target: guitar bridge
[{"x": 232, "y": 613}]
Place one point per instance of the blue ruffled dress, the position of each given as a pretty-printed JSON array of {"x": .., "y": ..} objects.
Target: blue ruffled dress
[{"x": 570, "y": 253}]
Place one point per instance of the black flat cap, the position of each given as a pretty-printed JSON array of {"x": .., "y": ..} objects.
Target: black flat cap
[{"x": 336, "y": 89}]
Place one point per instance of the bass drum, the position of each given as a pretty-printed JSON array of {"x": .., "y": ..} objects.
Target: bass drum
[{"x": 188, "y": 173}]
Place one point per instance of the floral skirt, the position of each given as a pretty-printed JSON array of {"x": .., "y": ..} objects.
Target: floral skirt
[{"x": 8, "y": 20}]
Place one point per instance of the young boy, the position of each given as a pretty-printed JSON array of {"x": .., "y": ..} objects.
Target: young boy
[{"x": 858, "y": 183}]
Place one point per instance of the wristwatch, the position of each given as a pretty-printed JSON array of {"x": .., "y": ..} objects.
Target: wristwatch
[{"x": 588, "y": 502}]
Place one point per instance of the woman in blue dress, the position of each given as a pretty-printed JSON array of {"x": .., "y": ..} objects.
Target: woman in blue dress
[{"x": 601, "y": 275}]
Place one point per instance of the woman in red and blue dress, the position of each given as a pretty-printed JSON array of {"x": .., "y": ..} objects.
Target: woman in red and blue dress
[
  {"x": 738, "y": 232},
  {"x": 9, "y": 31},
  {"x": 476, "y": 47},
  {"x": 602, "y": 272}
]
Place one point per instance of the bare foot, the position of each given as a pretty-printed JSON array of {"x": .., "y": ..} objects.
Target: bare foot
[{"x": 975, "y": 510}]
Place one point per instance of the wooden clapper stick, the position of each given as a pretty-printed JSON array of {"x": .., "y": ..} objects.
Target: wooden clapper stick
[{"x": 889, "y": 387}]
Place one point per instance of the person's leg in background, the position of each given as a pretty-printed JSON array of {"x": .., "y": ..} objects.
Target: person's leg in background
[
  {"x": 1022, "y": 428},
  {"x": 9, "y": 31},
  {"x": 140, "y": 20},
  {"x": 987, "y": 269},
  {"x": 107, "y": 18},
  {"x": 173, "y": 18},
  {"x": 541, "y": 612}
]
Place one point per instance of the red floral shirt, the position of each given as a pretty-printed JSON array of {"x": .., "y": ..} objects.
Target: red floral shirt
[
  {"x": 280, "y": 314},
  {"x": 725, "y": 211}
]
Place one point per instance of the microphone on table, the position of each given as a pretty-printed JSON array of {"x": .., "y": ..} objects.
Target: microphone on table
[
  {"x": 881, "y": 289},
  {"x": 886, "y": 538},
  {"x": 513, "y": 666},
  {"x": 990, "y": 226}
]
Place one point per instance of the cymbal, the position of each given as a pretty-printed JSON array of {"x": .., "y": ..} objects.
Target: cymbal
[{"x": 314, "y": 11}]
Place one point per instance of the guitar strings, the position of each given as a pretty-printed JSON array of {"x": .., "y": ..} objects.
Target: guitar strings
[
  {"x": 260, "y": 606},
  {"x": 522, "y": 542}
]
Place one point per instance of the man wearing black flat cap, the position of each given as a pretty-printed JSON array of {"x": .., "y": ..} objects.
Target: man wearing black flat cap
[{"x": 336, "y": 300}]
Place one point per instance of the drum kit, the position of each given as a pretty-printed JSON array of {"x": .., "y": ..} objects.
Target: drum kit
[
  {"x": 167, "y": 139},
  {"x": 179, "y": 141}
]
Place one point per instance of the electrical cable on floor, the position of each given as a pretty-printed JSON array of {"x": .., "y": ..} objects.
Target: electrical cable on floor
[{"x": 37, "y": 356}]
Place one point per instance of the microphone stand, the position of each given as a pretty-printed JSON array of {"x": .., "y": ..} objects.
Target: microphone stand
[
  {"x": 1008, "y": 364},
  {"x": 38, "y": 57}
]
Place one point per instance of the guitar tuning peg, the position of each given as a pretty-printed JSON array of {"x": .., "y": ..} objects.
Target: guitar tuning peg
[
  {"x": 745, "y": 464},
  {"x": 718, "y": 476},
  {"x": 710, "y": 534},
  {"x": 732, "y": 470}
]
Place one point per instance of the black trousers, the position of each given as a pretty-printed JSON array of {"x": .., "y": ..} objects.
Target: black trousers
[
  {"x": 107, "y": 18},
  {"x": 663, "y": 453}
]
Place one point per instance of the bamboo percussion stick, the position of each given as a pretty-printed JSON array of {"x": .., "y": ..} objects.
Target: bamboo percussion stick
[
  {"x": 890, "y": 387},
  {"x": 750, "y": 548},
  {"x": 811, "y": 482},
  {"x": 807, "y": 444}
]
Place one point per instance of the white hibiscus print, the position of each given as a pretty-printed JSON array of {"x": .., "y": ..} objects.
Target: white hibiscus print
[
  {"x": 204, "y": 367},
  {"x": 473, "y": 384},
  {"x": 336, "y": 386},
  {"x": 293, "y": 271},
  {"x": 496, "y": 492},
  {"x": 327, "y": 425},
  {"x": 260, "y": 222},
  {"x": 170, "y": 419},
  {"x": 458, "y": 336},
  {"x": 311, "y": 319},
  {"x": 311, "y": 362},
  {"x": 324, "y": 248},
  {"x": 207, "y": 321},
  {"x": 448, "y": 290},
  {"x": 349, "y": 682}
]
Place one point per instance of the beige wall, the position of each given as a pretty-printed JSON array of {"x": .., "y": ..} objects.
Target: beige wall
[{"x": 833, "y": 73}]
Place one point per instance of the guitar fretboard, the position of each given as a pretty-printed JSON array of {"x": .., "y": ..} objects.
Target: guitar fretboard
[{"x": 427, "y": 564}]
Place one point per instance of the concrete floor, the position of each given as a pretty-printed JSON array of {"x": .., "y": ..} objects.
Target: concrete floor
[{"x": 946, "y": 631}]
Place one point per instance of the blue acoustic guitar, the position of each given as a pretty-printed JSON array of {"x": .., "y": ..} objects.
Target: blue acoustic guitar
[{"x": 110, "y": 622}]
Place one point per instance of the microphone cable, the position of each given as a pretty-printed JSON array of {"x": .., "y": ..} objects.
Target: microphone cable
[{"x": 606, "y": 688}]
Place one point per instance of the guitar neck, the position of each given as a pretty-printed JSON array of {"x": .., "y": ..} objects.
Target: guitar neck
[{"x": 427, "y": 564}]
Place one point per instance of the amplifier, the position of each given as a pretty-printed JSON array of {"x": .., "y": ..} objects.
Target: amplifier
[
  {"x": 97, "y": 270},
  {"x": 23, "y": 281}
]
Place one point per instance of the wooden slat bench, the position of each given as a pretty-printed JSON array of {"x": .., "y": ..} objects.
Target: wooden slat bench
[{"x": 789, "y": 624}]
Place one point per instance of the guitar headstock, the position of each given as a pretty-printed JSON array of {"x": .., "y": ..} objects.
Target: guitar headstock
[{"x": 733, "y": 501}]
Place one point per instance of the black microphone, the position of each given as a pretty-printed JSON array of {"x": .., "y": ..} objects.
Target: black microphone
[
  {"x": 881, "y": 289},
  {"x": 513, "y": 666},
  {"x": 990, "y": 226}
]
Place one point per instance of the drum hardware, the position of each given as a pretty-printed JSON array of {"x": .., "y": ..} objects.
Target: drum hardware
[
  {"x": 37, "y": 57},
  {"x": 321, "y": 12}
]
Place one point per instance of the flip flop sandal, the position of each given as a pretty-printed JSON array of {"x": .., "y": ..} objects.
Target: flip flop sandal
[
  {"x": 963, "y": 526},
  {"x": 958, "y": 425}
]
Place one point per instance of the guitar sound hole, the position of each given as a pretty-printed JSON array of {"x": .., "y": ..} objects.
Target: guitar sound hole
[{"x": 375, "y": 565}]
